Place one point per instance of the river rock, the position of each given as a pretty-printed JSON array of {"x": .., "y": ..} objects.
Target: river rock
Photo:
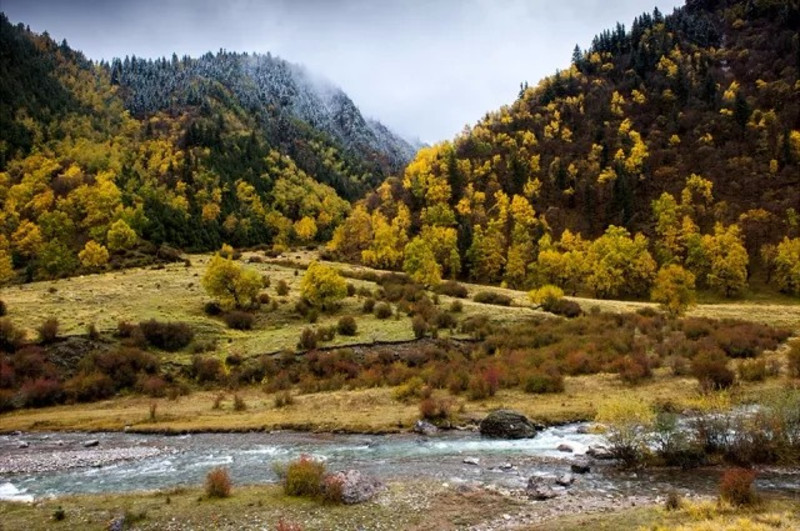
[
  {"x": 472, "y": 461},
  {"x": 566, "y": 480},
  {"x": 563, "y": 447},
  {"x": 506, "y": 424},
  {"x": 599, "y": 452},
  {"x": 23, "y": 444},
  {"x": 357, "y": 487},
  {"x": 117, "y": 523},
  {"x": 538, "y": 490},
  {"x": 578, "y": 468},
  {"x": 90, "y": 443},
  {"x": 425, "y": 428}
]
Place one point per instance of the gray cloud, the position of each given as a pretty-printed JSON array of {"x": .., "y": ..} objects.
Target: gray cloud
[{"x": 425, "y": 68}]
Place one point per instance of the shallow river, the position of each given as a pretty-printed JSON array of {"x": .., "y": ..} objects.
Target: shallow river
[{"x": 49, "y": 464}]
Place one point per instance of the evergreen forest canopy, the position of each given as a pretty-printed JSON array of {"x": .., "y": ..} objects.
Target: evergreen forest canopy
[
  {"x": 673, "y": 143},
  {"x": 105, "y": 162}
]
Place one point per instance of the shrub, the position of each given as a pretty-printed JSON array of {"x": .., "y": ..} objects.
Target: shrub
[
  {"x": 736, "y": 487},
  {"x": 710, "y": 367},
  {"x": 154, "y": 386},
  {"x": 283, "y": 525},
  {"x": 303, "y": 477},
  {"x": 125, "y": 329},
  {"x": 239, "y": 403},
  {"x": 490, "y": 297},
  {"x": 673, "y": 501},
  {"x": 212, "y": 308},
  {"x": 347, "y": 326},
  {"x": 332, "y": 489},
  {"x": 263, "y": 298},
  {"x": 544, "y": 381},
  {"x": 10, "y": 336},
  {"x": 88, "y": 387},
  {"x": 435, "y": 408},
  {"x": 59, "y": 514},
  {"x": 218, "y": 483},
  {"x": 456, "y": 306},
  {"x": 369, "y": 305},
  {"x": 627, "y": 420},
  {"x": 3, "y": 308},
  {"x": 351, "y": 289},
  {"x": 207, "y": 369},
  {"x": 546, "y": 296},
  {"x": 167, "y": 336},
  {"x": 635, "y": 368},
  {"x": 239, "y": 320},
  {"x": 92, "y": 332},
  {"x": 312, "y": 316},
  {"x": 41, "y": 392},
  {"x": 419, "y": 326},
  {"x": 444, "y": 321},
  {"x": 282, "y": 288},
  {"x": 565, "y": 308},
  {"x": 308, "y": 339},
  {"x": 452, "y": 289},
  {"x": 754, "y": 370},
  {"x": 793, "y": 357},
  {"x": 283, "y": 399},
  {"x": 383, "y": 310}
]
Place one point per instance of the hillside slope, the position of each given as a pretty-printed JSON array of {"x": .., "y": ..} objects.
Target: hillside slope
[
  {"x": 105, "y": 162},
  {"x": 702, "y": 105}
]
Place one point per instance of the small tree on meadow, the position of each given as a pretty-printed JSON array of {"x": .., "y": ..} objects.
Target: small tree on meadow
[
  {"x": 420, "y": 263},
  {"x": 674, "y": 290},
  {"x": 93, "y": 255},
  {"x": 120, "y": 236},
  {"x": 233, "y": 285},
  {"x": 322, "y": 286}
]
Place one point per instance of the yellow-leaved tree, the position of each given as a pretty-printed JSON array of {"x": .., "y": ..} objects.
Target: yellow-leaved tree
[
  {"x": 231, "y": 284},
  {"x": 6, "y": 267},
  {"x": 322, "y": 286},
  {"x": 674, "y": 289},
  {"x": 93, "y": 255},
  {"x": 727, "y": 258},
  {"x": 120, "y": 236},
  {"x": 420, "y": 263}
]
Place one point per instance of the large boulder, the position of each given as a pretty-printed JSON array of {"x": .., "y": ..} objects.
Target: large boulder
[
  {"x": 425, "y": 428},
  {"x": 356, "y": 487},
  {"x": 506, "y": 424},
  {"x": 538, "y": 489}
]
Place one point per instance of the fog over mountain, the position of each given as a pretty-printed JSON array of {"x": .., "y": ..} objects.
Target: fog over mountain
[{"x": 423, "y": 68}]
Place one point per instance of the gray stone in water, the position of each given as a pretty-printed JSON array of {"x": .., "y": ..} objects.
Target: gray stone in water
[
  {"x": 599, "y": 452},
  {"x": 577, "y": 468},
  {"x": 90, "y": 443},
  {"x": 425, "y": 428},
  {"x": 566, "y": 480},
  {"x": 23, "y": 444},
  {"x": 356, "y": 487},
  {"x": 565, "y": 448},
  {"x": 506, "y": 424},
  {"x": 472, "y": 461},
  {"x": 538, "y": 490},
  {"x": 506, "y": 466}
]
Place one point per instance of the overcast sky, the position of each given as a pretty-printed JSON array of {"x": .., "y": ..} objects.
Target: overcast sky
[{"x": 423, "y": 67}]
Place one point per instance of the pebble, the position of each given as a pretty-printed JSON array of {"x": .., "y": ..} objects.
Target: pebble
[{"x": 472, "y": 461}]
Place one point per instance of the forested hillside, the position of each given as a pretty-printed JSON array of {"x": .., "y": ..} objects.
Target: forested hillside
[
  {"x": 105, "y": 162},
  {"x": 674, "y": 142}
]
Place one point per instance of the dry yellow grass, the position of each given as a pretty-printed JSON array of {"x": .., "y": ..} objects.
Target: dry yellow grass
[{"x": 362, "y": 410}]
